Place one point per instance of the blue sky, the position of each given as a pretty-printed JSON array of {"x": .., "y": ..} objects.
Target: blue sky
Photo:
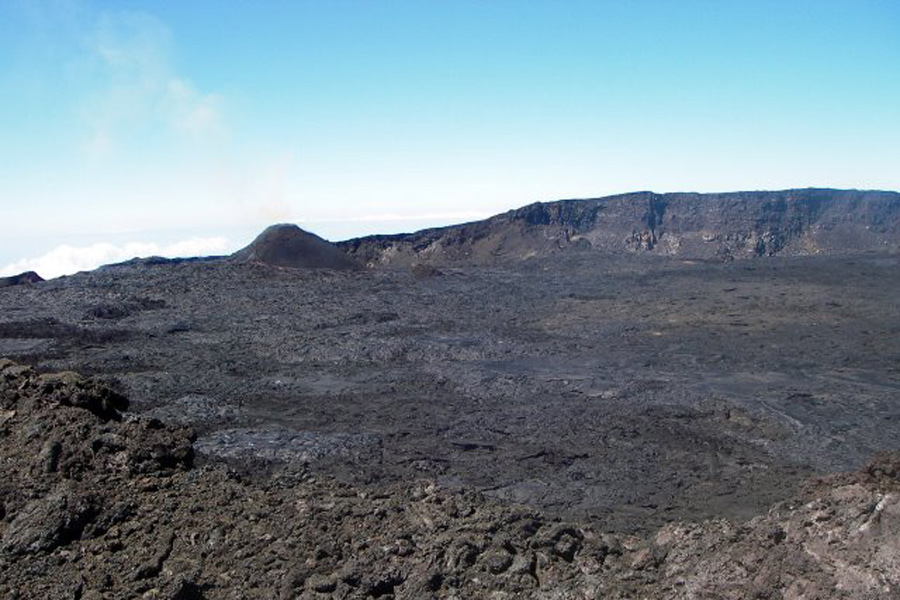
[{"x": 185, "y": 127}]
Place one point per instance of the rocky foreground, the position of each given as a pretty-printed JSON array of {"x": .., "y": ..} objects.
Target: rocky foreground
[{"x": 96, "y": 503}]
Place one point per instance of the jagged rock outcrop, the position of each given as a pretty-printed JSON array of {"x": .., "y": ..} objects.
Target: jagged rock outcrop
[
  {"x": 688, "y": 225},
  {"x": 95, "y": 504},
  {"x": 289, "y": 246}
]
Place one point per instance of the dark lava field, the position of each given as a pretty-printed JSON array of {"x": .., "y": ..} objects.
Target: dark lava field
[
  {"x": 629, "y": 391},
  {"x": 621, "y": 388}
]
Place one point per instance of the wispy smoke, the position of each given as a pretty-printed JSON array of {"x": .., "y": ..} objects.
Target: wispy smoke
[{"x": 140, "y": 87}]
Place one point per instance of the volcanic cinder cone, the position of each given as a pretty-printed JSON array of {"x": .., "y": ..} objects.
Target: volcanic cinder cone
[
  {"x": 289, "y": 246},
  {"x": 21, "y": 279}
]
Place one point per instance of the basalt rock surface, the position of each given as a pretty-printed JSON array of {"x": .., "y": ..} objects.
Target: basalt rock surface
[
  {"x": 95, "y": 503},
  {"x": 633, "y": 391}
]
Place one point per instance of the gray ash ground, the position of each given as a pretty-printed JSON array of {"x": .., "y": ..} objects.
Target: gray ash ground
[{"x": 626, "y": 392}]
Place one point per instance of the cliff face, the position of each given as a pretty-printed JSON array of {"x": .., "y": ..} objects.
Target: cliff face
[{"x": 688, "y": 225}]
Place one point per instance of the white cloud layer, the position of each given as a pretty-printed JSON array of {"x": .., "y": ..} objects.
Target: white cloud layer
[{"x": 65, "y": 259}]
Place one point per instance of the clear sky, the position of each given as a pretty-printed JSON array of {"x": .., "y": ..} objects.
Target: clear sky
[{"x": 173, "y": 127}]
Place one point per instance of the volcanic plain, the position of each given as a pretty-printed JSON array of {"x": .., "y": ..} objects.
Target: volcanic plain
[{"x": 625, "y": 389}]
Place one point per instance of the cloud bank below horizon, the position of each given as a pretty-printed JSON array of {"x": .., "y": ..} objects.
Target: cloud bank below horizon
[{"x": 67, "y": 260}]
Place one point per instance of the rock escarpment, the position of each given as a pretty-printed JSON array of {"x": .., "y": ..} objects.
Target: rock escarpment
[
  {"x": 96, "y": 504},
  {"x": 687, "y": 225}
]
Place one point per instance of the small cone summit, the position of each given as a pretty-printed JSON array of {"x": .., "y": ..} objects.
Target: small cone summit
[
  {"x": 288, "y": 245},
  {"x": 21, "y": 279}
]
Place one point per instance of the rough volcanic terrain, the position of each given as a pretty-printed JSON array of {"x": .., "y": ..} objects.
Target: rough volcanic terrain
[
  {"x": 100, "y": 504},
  {"x": 634, "y": 391},
  {"x": 590, "y": 419}
]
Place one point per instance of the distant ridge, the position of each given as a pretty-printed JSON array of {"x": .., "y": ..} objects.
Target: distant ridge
[
  {"x": 287, "y": 245},
  {"x": 722, "y": 226}
]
